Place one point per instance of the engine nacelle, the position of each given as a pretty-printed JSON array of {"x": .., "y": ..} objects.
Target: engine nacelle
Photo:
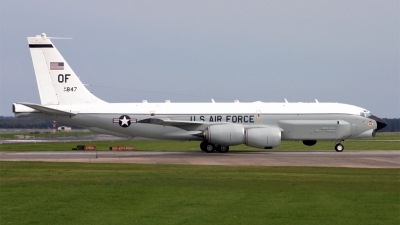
[
  {"x": 234, "y": 134},
  {"x": 263, "y": 137},
  {"x": 225, "y": 134}
]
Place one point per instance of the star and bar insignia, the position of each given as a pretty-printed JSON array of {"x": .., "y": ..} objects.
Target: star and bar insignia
[{"x": 124, "y": 121}]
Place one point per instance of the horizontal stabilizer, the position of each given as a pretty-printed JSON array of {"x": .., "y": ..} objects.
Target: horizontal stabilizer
[{"x": 48, "y": 110}]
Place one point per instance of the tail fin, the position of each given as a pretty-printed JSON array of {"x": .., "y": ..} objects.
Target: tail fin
[{"x": 57, "y": 82}]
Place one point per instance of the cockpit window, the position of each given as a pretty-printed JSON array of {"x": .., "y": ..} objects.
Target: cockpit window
[{"x": 365, "y": 114}]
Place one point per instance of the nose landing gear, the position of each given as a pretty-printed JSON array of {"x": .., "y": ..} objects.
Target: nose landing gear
[{"x": 339, "y": 147}]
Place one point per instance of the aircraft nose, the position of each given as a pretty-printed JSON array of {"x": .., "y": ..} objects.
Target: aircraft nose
[{"x": 380, "y": 122}]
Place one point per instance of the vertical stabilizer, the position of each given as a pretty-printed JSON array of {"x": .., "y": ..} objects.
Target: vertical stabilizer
[{"x": 57, "y": 82}]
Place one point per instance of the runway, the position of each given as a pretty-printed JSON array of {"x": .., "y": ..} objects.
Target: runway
[{"x": 359, "y": 159}]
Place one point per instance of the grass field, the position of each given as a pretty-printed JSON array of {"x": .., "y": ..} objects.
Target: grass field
[
  {"x": 157, "y": 145},
  {"x": 382, "y": 141},
  {"x": 79, "y": 193}
]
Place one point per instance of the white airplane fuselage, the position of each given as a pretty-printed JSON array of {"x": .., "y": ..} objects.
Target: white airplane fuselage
[{"x": 218, "y": 125}]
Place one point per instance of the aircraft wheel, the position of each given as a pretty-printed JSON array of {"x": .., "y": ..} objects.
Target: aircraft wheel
[
  {"x": 222, "y": 148},
  {"x": 339, "y": 147},
  {"x": 209, "y": 148},
  {"x": 203, "y": 145}
]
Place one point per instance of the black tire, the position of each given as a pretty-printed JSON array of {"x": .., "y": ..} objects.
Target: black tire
[
  {"x": 223, "y": 148},
  {"x": 203, "y": 145},
  {"x": 209, "y": 148},
  {"x": 339, "y": 147}
]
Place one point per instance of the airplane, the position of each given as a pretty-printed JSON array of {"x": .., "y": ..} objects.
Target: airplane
[{"x": 216, "y": 126}]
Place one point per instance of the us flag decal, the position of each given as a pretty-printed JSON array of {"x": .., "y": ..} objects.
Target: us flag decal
[{"x": 56, "y": 66}]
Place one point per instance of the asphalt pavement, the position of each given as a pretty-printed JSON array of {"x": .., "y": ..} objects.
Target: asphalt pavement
[{"x": 350, "y": 158}]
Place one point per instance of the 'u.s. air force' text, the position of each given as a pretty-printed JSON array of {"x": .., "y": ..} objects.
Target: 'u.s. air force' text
[{"x": 230, "y": 119}]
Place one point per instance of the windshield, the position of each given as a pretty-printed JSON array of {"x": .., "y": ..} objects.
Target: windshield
[{"x": 365, "y": 113}]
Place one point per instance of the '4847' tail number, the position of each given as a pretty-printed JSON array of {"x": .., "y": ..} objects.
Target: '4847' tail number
[{"x": 70, "y": 89}]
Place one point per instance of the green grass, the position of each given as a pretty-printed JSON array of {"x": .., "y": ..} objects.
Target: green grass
[
  {"x": 382, "y": 141},
  {"x": 387, "y": 136},
  {"x": 159, "y": 145},
  {"x": 80, "y": 193}
]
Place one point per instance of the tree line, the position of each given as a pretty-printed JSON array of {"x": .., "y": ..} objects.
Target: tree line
[
  {"x": 393, "y": 125},
  {"x": 7, "y": 122}
]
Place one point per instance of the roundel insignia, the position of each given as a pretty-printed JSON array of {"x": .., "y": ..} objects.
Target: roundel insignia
[
  {"x": 370, "y": 123},
  {"x": 124, "y": 121}
]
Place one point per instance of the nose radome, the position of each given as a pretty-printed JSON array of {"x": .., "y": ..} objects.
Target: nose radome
[{"x": 380, "y": 122}]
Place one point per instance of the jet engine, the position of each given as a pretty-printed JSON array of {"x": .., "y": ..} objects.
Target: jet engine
[
  {"x": 235, "y": 134},
  {"x": 225, "y": 134},
  {"x": 267, "y": 138}
]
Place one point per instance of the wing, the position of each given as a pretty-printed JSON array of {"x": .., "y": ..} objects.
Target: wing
[
  {"x": 186, "y": 125},
  {"x": 195, "y": 125}
]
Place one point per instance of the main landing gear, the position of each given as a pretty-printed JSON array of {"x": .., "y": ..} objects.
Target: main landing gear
[
  {"x": 339, "y": 146},
  {"x": 210, "y": 148}
]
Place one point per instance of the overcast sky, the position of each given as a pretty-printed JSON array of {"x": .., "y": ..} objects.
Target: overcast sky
[{"x": 192, "y": 51}]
